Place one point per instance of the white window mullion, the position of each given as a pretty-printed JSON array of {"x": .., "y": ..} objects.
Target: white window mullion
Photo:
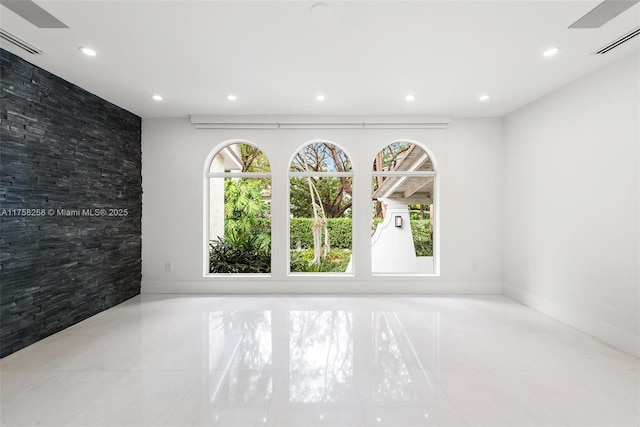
[
  {"x": 320, "y": 174},
  {"x": 238, "y": 175},
  {"x": 406, "y": 173}
]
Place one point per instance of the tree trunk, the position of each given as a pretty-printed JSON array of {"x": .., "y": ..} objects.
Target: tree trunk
[{"x": 315, "y": 226}]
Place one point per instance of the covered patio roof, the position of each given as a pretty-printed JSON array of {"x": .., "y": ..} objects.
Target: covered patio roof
[{"x": 413, "y": 189}]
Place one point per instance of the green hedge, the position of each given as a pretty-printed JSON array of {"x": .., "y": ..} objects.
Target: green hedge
[
  {"x": 421, "y": 230},
  {"x": 339, "y": 231},
  {"x": 337, "y": 261},
  {"x": 264, "y": 226}
]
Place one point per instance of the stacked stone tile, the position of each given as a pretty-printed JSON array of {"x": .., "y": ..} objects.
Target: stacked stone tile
[{"x": 62, "y": 147}]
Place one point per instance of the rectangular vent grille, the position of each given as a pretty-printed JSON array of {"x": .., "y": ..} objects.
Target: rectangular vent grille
[
  {"x": 18, "y": 42},
  {"x": 631, "y": 34}
]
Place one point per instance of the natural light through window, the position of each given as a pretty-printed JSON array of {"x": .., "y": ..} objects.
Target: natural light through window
[
  {"x": 320, "y": 208},
  {"x": 239, "y": 223},
  {"x": 403, "y": 213}
]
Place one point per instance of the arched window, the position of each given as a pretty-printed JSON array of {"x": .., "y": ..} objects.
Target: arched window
[
  {"x": 403, "y": 205},
  {"x": 320, "y": 208},
  {"x": 238, "y": 180}
]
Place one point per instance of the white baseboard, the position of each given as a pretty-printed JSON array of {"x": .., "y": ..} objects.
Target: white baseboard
[
  {"x": 333, "y": 286},
  {"x": 605, "y": 332}
]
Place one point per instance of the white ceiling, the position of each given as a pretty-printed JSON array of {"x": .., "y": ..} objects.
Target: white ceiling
[{"x": 364, "y": 56}]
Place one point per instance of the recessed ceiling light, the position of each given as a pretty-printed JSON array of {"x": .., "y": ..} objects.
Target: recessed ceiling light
[
  {"x": 88, "y": 51},
  {"x": 232, "y": 97},
  {"x": 156, "y": 97},
  {"x": 551, "y": 51},
  {"x": 484, "y": 97},
  {"x": 410, "y": 97},
  {"x": 320, "y": 97}
]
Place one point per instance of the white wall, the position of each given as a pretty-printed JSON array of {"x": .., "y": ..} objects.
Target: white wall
[
  {"x": 216, "y": 194},
  {"x": 470, "y": 162},
  {"x": 392, "y": 248},
  {"x": 572, "y": 204}
]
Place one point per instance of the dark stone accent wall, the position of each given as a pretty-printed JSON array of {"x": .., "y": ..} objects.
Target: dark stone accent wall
[{"x": 63, "y": 148}]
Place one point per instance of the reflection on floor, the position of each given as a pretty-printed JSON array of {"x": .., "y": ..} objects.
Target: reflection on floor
[{"x": 319, "y": 361}]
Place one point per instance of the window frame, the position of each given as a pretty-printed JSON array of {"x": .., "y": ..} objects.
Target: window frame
[
  {"x": 207, "y": 201},
  {"x": 436, "y": 206},
  {"x": 335, "y": 174}
]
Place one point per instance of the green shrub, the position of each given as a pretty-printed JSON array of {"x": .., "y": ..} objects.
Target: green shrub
[
  {"x": 337, "y": 261},
  {"x": 339, "y": 233},
  {"x": 250, "y": 254},
  {"x": 300, "y": 232},
  {"x": 243, "y": 206},
  {"x": 415, "y": 215},
  {"x": 422, "y": 237},
  {"x": 263, "y": 226}
]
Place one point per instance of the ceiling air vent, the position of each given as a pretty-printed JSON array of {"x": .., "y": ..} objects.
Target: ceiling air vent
[
  {"x": 18, "y": 42},
  {"x": 631, "y": 34}
]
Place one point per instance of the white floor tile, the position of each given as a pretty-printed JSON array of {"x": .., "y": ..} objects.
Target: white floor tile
[
  {"x": 587, "y": 398},
  {"x": 486, "y": 399},
  {"x": 166, "y": 360},
  {"x": 50, "y": 398},
  {"x": 137, "y": 398}
]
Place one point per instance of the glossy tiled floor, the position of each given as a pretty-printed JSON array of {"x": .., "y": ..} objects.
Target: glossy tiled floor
[{"x": 320, "y": 361}]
